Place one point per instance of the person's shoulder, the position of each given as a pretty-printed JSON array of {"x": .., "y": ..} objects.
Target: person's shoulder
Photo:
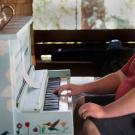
[{"x": 132, "y": 57}]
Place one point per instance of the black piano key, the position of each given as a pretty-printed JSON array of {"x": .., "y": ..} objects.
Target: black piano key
[
  {"x": 52, "y": 104},
  {"x": 50, "y": 95},
  {"x": 52, "y": 84},
  {"x": 49, "y": 91},
  {"x": 51, "y": 99},
  {"x": 51, "y": 107}
]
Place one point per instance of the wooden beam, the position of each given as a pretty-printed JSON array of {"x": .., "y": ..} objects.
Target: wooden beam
[{"x": 124, "y": 35}]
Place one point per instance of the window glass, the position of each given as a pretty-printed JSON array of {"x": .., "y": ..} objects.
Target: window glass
[
  {"x": 55, "y": 14},
  {"x": 83, "y": 14}
]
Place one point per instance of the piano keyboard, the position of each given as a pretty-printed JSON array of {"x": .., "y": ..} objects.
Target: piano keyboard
[{"x": 51, "y": 100}]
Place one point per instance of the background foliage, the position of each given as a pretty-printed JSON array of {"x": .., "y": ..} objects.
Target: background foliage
[{"x": 83, "y": 14}]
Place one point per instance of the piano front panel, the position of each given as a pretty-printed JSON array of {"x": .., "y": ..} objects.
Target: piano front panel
[
  {"x": 52, "y": 120},
  {"x": 44, "y": 123}
]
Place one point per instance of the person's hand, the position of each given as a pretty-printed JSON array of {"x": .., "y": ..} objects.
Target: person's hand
[
  {"x": 91, "y": 110},
  {"x": 72, "y": 89}
]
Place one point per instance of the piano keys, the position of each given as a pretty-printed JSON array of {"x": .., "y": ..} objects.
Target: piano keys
[{"x": 52, "y": 100}]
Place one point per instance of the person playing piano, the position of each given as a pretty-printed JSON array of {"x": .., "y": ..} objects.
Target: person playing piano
[{"x": 104, "y": 115}]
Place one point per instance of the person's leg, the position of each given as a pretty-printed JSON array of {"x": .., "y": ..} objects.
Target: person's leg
[
  {"x": 89, "y": 128},
  {"x": 123, "y": 125},
  {"x": 78, "y": 121}
]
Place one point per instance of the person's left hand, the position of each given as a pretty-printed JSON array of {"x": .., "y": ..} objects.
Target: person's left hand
[{"x": 91, "y": 110}]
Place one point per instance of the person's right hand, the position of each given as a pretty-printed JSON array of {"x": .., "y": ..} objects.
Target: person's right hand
[{"x": 73, "y": 89}]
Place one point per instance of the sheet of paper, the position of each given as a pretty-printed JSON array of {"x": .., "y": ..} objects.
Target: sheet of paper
[{"x": 26, "y": 77}]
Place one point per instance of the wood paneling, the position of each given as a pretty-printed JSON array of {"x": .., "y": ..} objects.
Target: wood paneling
[
  {"x": 22, "y": 7},
  {"x": 84, "y": 35}
]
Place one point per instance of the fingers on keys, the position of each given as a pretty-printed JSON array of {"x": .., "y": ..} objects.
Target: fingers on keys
[
  {"x": 63, "y": 90},
  {"x": 59, "y": 90}
]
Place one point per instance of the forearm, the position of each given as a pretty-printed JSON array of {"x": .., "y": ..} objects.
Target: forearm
[
  {"x": 123, "y": 106},
  {"x": 106, "y": 84}
]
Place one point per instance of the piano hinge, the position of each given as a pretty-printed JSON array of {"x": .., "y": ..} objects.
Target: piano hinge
[{"x": 19, "y": 94}]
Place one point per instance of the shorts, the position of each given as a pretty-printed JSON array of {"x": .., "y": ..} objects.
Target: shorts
[{"x": 123, "y": 125}]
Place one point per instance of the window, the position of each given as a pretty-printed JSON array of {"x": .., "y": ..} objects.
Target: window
[
  {"x": 56, "y": 14},
  {"x": 108, "y": 14},
  {"x": 83, "y": 14}
]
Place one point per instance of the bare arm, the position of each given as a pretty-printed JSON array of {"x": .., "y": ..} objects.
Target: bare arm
[
  {"x": 123, "y": 106},
  {"x": 107, "y": 84}
]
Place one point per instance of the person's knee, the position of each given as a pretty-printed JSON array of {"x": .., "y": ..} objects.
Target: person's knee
[
  {"x": 78, "y": 121},
  {"x": 89, "y": 128},
  {"x": 80, "y": 101}
]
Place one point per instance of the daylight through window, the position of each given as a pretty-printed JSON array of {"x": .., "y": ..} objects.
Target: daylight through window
[{"x": 83, "y": 14}]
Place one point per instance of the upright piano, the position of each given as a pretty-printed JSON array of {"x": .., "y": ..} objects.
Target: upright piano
[{"x": 27, "y": 103}]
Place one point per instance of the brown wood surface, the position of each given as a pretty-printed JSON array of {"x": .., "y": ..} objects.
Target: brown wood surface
[
  {"x": 91, "y": 38},
  {"x": 84, "y": 35}
]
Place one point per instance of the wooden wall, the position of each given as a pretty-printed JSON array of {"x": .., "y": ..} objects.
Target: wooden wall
[{"x": 22, "y": 7}]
